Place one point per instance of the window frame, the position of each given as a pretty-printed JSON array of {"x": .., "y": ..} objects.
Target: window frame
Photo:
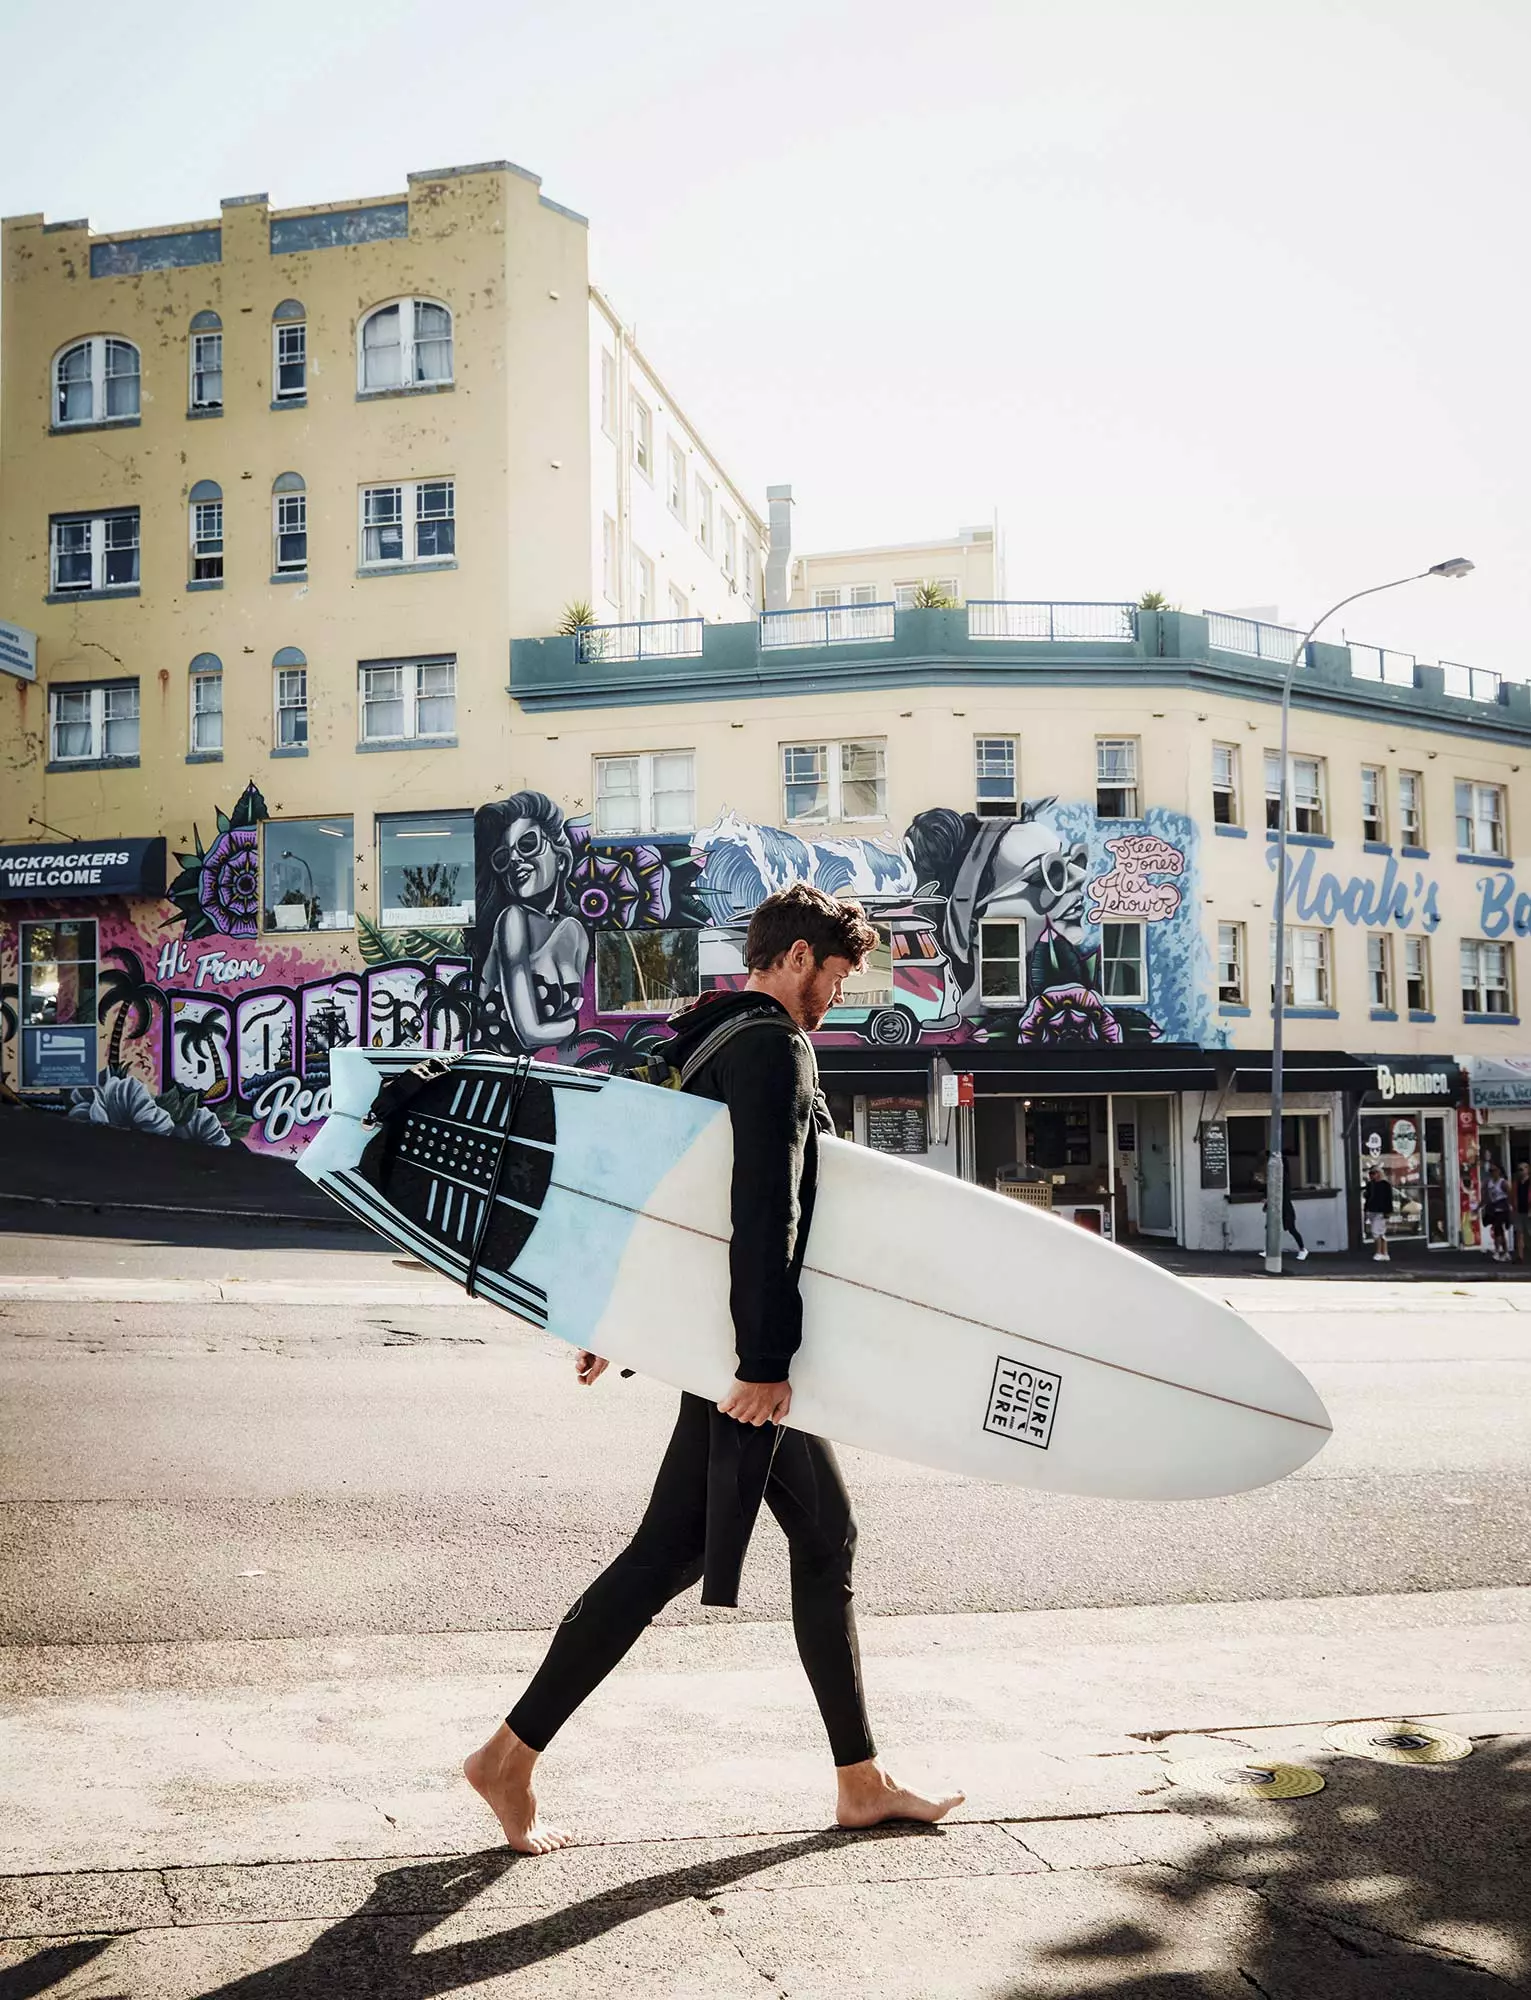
[
  {"x": 408, "y": 522},
  {"x": 87, "y": 999},
  {"x": 988, "y": 957},
  {"x": 705, "y": 536},
  {"x": 728, "y": 554},
  {"x": 410, "y": 696},
  {"x": 206, "y": 540},
  {"x": 834, "y": 749},
  {"x": 1416, "y": 946},
  {"x": 1323, "y": 966},
  {"x": 1128, "y": 785},
  {"x": 1379, "y": 969},
  {"x": 197, "y": 680},
  {"x": 641, "y": 428},
  {"x": 281, "y": 330},
  {"x": 1295, "y": 758},
  {"x": 611, "y": 938},
  {"x": 97, "y": 550},
  {"x": 680, "y": 604},
  {"x": 293, "y": 499},
  {"x": 201, "y": 340},
  {"x": 1475, "y": 787},
  {"x": 1228, "y": 789},
  {"x": 1118, "y": 958},
  {"x": 1231, "y": 991},
  {"x": 644, "y": 585},
  {"x": 99, "y": 346},
  {"x": 408, "y": 384},
  {"x": 401, "y": 916},
  {"x": 831, "y": 597},
  {"x": 996, "y": 805},
  {"x": 609, "y": 397},
  {"x": 903, "y": 593},
  {"x": 97, "y": 720},
  {"x": 1311, "y": 1150},
  {"x": 677, "y": 478},
  {"x": 1415, "y": 781},
  {"x": 1482, "y": 991},
  {"x": 343, "y": 827},
  {"x": 281, "y": 707},
  {"x": 610, "y": 562},
  {"x": 1374, "y": 823},
  {"x": 644, "y": 794}
]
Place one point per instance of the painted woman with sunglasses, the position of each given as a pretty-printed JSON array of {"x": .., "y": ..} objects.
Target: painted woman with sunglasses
[{"x": 534, "y": 971}]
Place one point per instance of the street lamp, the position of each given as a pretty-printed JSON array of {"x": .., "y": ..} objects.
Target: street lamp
[{"x": 1275, "y": 1164}]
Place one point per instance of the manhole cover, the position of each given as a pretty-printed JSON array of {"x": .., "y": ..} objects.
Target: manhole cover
[
  {"x": 1252, "y": 1780},
  {"x": 1398, "y": 1742}
]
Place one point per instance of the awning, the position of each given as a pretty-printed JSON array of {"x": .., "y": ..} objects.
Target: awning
[
  {"x": 1417, "y": 1080},
  {"x": 1082, "y": 1072},
  {"x": 45, "y": 871},
  {"x": 1303, "y": 1069},
  {"x": 877, "y": 1072},
  {"x": 1498, "y": 1083}
]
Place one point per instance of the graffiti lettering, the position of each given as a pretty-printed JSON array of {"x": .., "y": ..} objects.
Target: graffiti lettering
[
  {"x": 1502, "y": 909},
  {"x": 285, "y": 1102},
  {"x": 1126, "y": 891},
  {"x": 1325, "y": 897}
]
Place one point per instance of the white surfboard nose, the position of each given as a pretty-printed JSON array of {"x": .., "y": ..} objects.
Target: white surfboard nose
[{"x": 354, "y": 1083}]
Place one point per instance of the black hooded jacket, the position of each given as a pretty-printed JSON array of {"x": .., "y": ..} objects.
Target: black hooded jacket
[{"x": 768, "y": 1077}]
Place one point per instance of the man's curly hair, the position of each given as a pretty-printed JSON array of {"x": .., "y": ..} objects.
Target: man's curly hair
[{"x": 832, "y": 927}]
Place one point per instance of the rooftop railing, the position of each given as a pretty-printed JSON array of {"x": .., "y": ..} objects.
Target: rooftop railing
[
  {"x": 1471, "y": 683},
  {"x": 643, "y": 639},
  {"x": 826, "y": 625},
  {"x": 1229, "y": 634},
  {"x": 1007, "y": 618},
  {"x": 1381, "y": 663}
]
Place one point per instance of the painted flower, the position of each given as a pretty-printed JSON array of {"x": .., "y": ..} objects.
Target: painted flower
[
  {"x": 228, "y": 882},
  {"x": 125, "y": 1103},
  {"x": 620, "y": 888},
  {"x": 202, "y": 1127},
  {"x": 1068, "y": 1015}
]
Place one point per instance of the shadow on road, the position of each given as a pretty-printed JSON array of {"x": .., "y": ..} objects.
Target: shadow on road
[{"x": 42, "y": 1972}]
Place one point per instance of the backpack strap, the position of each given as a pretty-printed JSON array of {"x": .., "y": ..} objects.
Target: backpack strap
[{"x": 724, "y": 1033}]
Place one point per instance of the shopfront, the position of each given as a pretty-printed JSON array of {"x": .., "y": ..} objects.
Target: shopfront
[
  {"x": 882, "y": 1099},
  {"x": 1497, "y": 1131},
  {"x": 57, "y": 893},
  {"x": 1408, "y": 1130}
]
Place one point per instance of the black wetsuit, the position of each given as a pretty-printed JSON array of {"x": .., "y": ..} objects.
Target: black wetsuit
[{"x": 716, "y": 1472}]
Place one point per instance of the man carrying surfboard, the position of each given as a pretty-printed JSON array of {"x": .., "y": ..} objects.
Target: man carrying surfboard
[{"x": 750, "y": 1051}]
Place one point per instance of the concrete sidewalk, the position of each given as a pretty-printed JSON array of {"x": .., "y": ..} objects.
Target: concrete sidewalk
[{"x": 279, "y": 1818}]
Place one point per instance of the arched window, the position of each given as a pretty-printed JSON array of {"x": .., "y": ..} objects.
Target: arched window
[
  {"x": 207, "y": 362},
  {"x": 207, "y": 532},
  {"x": 95, "y": 381},
  {"x": 405, "y": 345},
  {"x": 289, "y": 352},
  {"x": 205, "y": 722},
  {"x": 289, "y": 525}
]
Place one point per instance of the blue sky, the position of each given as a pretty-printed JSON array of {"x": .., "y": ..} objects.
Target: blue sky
[{"x": 1222, "y": 297}]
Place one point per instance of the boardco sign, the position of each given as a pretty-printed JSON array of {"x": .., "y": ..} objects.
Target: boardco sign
[{"x": 1425, "y": 1078}]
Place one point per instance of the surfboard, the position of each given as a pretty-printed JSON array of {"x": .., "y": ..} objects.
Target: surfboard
[{"x": 941, "y": 1323}]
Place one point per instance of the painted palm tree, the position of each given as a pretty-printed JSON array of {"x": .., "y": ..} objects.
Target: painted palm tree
[
  {"x": 448, "y": 1002},
  {"x": 127, "y": 990},
  {"x": 200, "y": 1037},
  {"x": 10, "y": 1020},
  {"x": 599, "y": 1048}
]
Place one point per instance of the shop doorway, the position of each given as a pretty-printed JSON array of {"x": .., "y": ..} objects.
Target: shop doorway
[
  {"x": 1440, "y": 1132},
  {"x": 1156, "y": 1167}
]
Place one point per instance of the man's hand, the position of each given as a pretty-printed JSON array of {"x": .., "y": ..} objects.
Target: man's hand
[
  {"x": 757, "y": 1402},
  {"x": 588, "y": 1366}
]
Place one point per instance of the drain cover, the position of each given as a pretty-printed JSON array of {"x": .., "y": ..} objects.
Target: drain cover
[
  {"x": 1398, "y": 1742},
  {"x": 1252, "y": 1780}
]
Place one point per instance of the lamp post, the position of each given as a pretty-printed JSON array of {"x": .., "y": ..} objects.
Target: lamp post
[{"x": 1275, "y": 1164}]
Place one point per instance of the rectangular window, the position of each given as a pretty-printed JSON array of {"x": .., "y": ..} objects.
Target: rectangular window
[
  {"x": 677, "y": 482},
  {"x": 206, "y": 713},
  {"x": 1304, "y": 1147},
  {"x": 1373, "y": 793},
  {"x": 413, "y": 521},
  {"x": 308, "y": 874},
  {"x": 643, "y": 437},
  {"x": 679, "y": 608},
  {"x": 994, "y": 774},
  {"x": 1411, "y": 808},
  {"x": 1225, "y": 784},
  {"x": 608, "y": 392},
  {"x": 838, "y": 594},
  {"x": 835, "y": 781},
  {"x": 645, "y": 972},
  {"x": 652, "y": 791},
  {"x": 289, "y": 527},
  {"x": 730, "y": 561},
  {"x": 291, "y": 708},
  {"x": 1230, "y": 964},
  {"x": 1124, "y": 975},
  {"x": 1379, "y": 969},
  {"x": 643, "y": 586},
  {"x": 95, "y": 551},
  {"x": 1306, "y": 781},
  {"x": 1116, "y": 777},
  {"x": 1307, "y": 966},
  {"x": 58, "y": 1004},
  {"x": 91, "y": 721},
  {"x": 290, "y": 372},
  {"x": 425, "y": 861},
  {"x": 207, "y": 371},
  {"x": 1480, "y": 819},
  {"x": 1000, "y": 950},
  {"x": 704, "y": 514},
  {"x": 904, "y": 594},
  {"x": 749, "y": 571},
  {"x": 609, "y": 560},
  {"x": 405, "y": 701},
  {"x": 1486, "y": 978},
  {"x": 1416, "y": 974},
  {"x": 207, "y": 541}
]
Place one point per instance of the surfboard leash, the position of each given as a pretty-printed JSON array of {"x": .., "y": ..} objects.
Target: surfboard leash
[{"x": 518, "y": 1085}]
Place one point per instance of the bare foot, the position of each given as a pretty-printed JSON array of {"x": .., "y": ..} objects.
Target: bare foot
[
  {"x": 501, "y": 1774},
  {"x": 868, "y": 1796}
]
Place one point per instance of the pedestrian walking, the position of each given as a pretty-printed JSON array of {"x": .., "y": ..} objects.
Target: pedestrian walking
[
  {"x": 1377, "y": 1206},
  {"x": 1288, "y": 1213},
  {"x": 724, "y": 1460},
  {"x": 1498, "y": 1212}
]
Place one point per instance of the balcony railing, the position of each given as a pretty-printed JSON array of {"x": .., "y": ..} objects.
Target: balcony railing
[
  {"x": 826, "y": 625},
  {"x": 645, "y": 639},
  {"x": 1228, "y": 634},
  {"x": 1472, "y": 683},
  {"x": 1381, "y": 663},
  {"x": 1002, "y": 618}
]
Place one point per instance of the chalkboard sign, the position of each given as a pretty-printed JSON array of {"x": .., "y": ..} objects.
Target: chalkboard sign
[
  {"x": 897, "y": 1124},
  {"x": 1214, "y": 1156}
]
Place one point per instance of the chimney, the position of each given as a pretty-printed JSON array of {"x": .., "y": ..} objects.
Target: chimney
[{"x": 778, "y": 573}]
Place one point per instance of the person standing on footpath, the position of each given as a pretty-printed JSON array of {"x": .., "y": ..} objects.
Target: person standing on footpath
[
  {"x": 1498, "y": 1211},
  {"x": 1521, "y": 1190},
  {"x": 750, "y": 1051},
  {"x": 1288, "y": 1212},
  {"x": 1377, "y": 1204}
]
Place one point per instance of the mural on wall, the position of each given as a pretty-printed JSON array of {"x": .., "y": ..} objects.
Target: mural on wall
[{"x": 217, "y": 1031}]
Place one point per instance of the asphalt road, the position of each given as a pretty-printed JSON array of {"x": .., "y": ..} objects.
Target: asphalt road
[{"x": 174, "y": 1473}]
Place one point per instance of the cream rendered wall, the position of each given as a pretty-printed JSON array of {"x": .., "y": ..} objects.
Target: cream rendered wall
[
  {"x": 969, "y": 558},
  {"x": 638, "y": 503}
]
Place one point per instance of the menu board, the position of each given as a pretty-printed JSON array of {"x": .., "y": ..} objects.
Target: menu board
[
  {"x": 1214, "y": 1156},
  {"x": 897, "y": 1125}
]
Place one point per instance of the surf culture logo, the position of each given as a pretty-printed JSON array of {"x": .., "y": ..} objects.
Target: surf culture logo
[{"x": 1022, "y": 1403}]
